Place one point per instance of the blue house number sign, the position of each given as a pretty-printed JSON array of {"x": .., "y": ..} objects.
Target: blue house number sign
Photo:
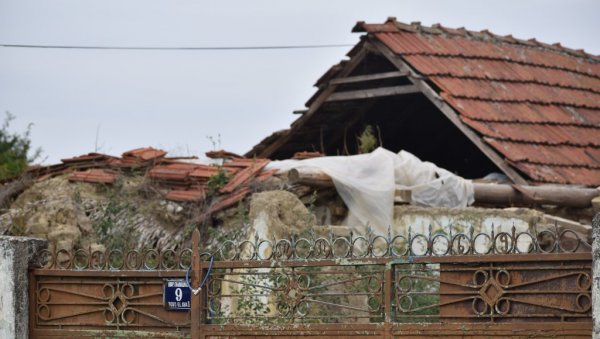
[{"x": 177, "y": 295}]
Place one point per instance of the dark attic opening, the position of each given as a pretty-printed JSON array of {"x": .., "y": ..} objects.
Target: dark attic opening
[{"x": 378, "y": 97}]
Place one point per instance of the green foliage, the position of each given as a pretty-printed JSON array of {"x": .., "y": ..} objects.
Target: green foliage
[
  {"x": 14, "y": 150},
  {"x": 367, "y": 140},
  {"x": 252, "y": 305},
  {"x": 217, "y": 181}
]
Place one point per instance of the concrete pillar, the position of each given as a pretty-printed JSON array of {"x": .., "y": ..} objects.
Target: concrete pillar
[
  {"x": 596, "y": 275},
  {"x": 16, "y": 253}
]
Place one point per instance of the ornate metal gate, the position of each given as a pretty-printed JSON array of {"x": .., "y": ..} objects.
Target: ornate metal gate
[
  {"x": 106, "y": 294},
  {"x": 466, "y": 284}
]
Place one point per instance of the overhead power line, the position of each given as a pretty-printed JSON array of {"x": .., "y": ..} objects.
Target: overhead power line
[{"x": 198, "y": 48}]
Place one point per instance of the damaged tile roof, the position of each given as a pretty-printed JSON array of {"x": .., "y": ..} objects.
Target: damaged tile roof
[
  {"x": 178, "y": 180},
  {"x": 536, "y": 104}
]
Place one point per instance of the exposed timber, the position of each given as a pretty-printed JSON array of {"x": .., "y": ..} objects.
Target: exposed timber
[{"x": 485, "y": 193}]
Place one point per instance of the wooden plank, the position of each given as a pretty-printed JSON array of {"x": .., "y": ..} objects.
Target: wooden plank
[
  {"x": 368, "y": 77},
  {"x": 373, "y": 93},
  {"x": 449, "y": 112},
  {"x": 348, "y": 68}
]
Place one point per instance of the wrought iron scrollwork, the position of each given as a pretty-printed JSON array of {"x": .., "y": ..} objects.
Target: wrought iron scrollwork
[{"x": 442, "y": 242}]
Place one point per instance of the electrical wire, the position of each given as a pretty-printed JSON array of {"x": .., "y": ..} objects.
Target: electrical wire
[
  {"x": 187, "y": 277},
  {"x": 191, "y": 48}
]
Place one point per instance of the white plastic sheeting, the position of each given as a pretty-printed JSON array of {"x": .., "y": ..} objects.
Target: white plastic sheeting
[{"x": 367, "y": 184}]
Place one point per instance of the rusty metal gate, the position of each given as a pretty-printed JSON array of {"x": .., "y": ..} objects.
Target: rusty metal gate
[{"x": 415, "y": 285}]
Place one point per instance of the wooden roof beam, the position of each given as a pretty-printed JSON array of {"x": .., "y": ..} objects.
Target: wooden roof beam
[
  {"x": 368, "y": 77},
  {"x": 373, "y": 93}
]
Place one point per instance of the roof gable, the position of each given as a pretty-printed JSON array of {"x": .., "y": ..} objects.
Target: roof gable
[
  {"x": 538, "y": 105},
  {"x": 532, "y": 108}
]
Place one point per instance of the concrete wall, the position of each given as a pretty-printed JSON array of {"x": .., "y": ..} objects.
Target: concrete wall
[{"x": 16, "y": 254}]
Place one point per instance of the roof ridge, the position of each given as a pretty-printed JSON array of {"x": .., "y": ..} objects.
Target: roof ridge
[{"x": 485, "y": 34}]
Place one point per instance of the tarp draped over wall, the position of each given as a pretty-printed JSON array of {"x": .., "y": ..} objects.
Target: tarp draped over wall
[{"x": 367, "y": 183}]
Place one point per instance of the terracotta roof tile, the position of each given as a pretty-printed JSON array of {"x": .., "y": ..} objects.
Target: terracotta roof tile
[
  {"x": 244, "y": 175},
  {"x": 547, "y": 154},
  {"x": 306, "y": 155},
  {"x": 145, "y": 153},
  {"x": 229, "y": 200},
  {"x": 221, "y": 154},
  {"x": 204, "y": 171},
  {"x": 94, "y": 176},
  {"x": 524, "y": 112},
  {"x": 170, "y": 172},
  {"x": 517, "y": 92},
  {"x": 500, "y": 70},
  {"x": 537, "y": 133},
  {"x": 90, "y": 157},
  {"x": 185, "y": 195},
  {"x": 536, "y": 104},
  {"x": 561, "y": 175},
  {"x": 264, "y": 175}
]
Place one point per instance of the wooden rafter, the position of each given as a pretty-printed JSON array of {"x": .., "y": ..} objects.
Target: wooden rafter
[
  {"x": 367, "y": 77},
  {"x": 372, "y": 93}
]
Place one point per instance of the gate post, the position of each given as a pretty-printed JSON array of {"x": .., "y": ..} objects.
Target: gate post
[
  {"x": 596, "y": 276},
  {"x": 196, "y": 301},
  {"x": 16, "y": 254}
]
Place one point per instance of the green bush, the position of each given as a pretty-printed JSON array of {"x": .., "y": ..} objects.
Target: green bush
[{"x": 14, "y": 150}]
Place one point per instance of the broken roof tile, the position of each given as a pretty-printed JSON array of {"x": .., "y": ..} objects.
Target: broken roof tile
[
  {"x": 204, "y": 171},
  {"x": 228, "y": 200},
  {"x": 90, "y": 157},
  {"x": 191, "y": 195},
  {"x": 145, "y": 153},
  {"x": 244, "y": 175},
  {"x": 221, "y": 154},
  {"x": 169, "y": 172},
  {"x": 265, "y": 174},
  {"x": 95, "y": 176}
]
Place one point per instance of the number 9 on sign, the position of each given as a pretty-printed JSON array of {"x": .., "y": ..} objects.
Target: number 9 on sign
[{"x": 176, "y": 295}]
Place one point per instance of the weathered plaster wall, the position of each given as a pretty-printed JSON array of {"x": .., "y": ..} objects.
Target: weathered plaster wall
[{"x": 16, "y": 253}]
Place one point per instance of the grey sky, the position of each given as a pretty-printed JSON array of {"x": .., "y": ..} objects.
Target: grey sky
[{"x": 175, "y": 99}]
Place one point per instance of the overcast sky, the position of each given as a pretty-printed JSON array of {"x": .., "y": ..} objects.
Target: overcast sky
[{"x": 80, "y": 100}]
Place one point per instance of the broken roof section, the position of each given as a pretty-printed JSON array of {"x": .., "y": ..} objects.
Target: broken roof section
[
  {"x": 178, "y": 180},
  {"x": 533, "y": 109}
]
